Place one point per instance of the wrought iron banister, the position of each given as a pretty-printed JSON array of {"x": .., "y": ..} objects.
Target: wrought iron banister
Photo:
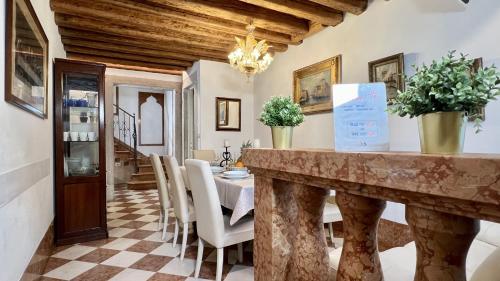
[{"x": 124, "y": 122}]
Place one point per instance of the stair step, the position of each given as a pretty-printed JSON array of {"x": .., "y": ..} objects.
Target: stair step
[
  {"x": 141, "y": 161},
  {"x": 143, "y": 176},
  {"x": 141, "y": 185},
  {"x": 145, "y": 168}
]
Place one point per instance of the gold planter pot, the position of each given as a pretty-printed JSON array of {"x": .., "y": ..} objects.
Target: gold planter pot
[
  {"x": 282, "y": 137},
  {"x": 442, "y": 132}
]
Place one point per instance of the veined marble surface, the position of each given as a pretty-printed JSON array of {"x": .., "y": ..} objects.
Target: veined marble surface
[{"x": 291, "y": 188}]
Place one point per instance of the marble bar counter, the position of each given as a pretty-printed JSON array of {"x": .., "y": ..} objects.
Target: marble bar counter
[{"x": 445, "y": 197}]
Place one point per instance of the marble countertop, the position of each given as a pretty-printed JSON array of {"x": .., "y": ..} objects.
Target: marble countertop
[{"x": 466, "y": 184}]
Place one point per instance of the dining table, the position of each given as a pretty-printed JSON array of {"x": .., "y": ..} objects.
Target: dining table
[{"x": 234, "y": 194}]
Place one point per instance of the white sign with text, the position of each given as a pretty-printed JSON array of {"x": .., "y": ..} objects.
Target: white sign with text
[{"x": 360, "y": 117}]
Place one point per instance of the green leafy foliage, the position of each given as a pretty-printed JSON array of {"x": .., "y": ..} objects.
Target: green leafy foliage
[
  {"x": 281, "y": 111},
  {"x": 448, "y": 85},
  {"x": 247, "y": 144}
]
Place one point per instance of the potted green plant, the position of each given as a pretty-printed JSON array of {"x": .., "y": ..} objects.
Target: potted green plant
[
  {"x": 441, "y": 95},
  {"x": 281, "y": 114}
]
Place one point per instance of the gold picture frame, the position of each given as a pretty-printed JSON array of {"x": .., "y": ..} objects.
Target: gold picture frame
[
  {"x": 312, "y": 85},
  {"x": 389, "y": 70}
]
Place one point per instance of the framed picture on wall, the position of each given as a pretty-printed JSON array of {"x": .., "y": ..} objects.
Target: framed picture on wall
[
  {"x": 227, "y": 114},
  {"x": 312, "y": 85},
  {"x": 389, "y": 70},
  {"x": 26, "y": 59}
]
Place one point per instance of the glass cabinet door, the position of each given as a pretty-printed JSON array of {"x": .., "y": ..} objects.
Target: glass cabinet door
[{"x": 81, "y": 124}]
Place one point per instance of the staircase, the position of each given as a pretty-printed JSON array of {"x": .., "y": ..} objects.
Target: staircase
[
  {"x": 133, "y": 169},
  {"x": 126, "y": 173}
]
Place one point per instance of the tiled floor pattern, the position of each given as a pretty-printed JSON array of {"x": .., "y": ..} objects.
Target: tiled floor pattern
[{"x": 134, "y": 250}]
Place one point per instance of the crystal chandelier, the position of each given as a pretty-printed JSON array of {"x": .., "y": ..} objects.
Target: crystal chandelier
[{"x": 249, "y": 56}]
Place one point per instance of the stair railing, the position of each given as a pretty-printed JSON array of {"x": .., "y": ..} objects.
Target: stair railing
[{"x": 127, "y": 131}]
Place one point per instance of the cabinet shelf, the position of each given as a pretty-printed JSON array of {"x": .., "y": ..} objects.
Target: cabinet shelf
[{"x": 78, "y": 110}]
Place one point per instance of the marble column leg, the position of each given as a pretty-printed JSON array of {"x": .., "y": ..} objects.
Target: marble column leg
[
  {"x": 310, "y": 260},
  {"x": 359, "y": 259},
  {"x": 275, "y": 213},
  {"x": 442, "y": 242}
]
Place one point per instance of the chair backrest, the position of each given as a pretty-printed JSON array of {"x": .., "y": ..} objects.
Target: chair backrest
[
  {"x": 209, "y": 219},
  {"x": 179, "y": 194},
  {"x": 161, "y": 181},
  {"x": 489, "y": 233},
  {"x": 206, "y": 155}
]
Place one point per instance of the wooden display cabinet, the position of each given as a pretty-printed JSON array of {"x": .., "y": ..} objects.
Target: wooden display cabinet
[{"x": 79, "y": 148}]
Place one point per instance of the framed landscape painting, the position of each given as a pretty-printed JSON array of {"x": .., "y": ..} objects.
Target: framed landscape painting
[
  {"x": 26, "y": 59},
  {"x": 389, "y": 70},
  {"x": 312, "y": 85}
]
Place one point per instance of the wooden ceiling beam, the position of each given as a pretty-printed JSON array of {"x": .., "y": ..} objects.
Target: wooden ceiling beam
[
  {"x": 133, "y": 19},
  {"x": 314, "y": 28},
  {"x": 200, "y": 53},
  {"x": 104, "y": 46},
  {"x": 209, "y": 22},
  {"x": 239, "y": 12},
  {"x": 356, "y": 7},
  {"x": 126, "y": 56},
  {"x": 305, "y": 10},
  {"x": 168, "y": 37},
  {"x": 132, "y": 65},
  {"x": 120, "y": 30}
]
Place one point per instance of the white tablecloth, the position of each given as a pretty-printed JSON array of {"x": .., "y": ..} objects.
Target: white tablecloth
[{"x": 236, "y": 195}]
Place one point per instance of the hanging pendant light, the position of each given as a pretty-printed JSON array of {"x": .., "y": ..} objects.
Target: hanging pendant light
[{"x": 249, "y": 56}]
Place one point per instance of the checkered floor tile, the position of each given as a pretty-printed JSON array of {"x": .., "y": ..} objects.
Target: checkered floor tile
[{"x": 134, "y": 250}]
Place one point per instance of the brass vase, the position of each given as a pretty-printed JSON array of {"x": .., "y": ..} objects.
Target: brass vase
[
  {"x": 442, "y": 132},
  {"x": 282, "y": 137}
]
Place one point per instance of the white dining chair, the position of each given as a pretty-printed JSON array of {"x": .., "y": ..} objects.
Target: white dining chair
[
  {"x": 205, "y": 154},
  {"x": 331, "y": 213},
  {"x": 183, "y": 205},
  {"x": 212, "y": 226},
  {"x": 163, "y": 194}
]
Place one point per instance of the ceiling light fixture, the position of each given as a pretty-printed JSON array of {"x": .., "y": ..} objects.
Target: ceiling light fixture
[{"x": 249, "y": 56}]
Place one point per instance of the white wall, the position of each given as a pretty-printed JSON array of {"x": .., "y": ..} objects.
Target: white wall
[
  {"x": 129, "y": 99},
  {"x": 26, "y": 166},
  {"x": 220, "y": 80},
  {"x": 423, "y": 31}
]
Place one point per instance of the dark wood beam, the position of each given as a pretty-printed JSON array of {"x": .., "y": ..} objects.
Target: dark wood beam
[
  {"x": 133, "y": 19},
  {"x": 200, "y": 53},
  {"x": 351, "y": 6},
  {"x": 168, "y": 37},
  {"x": 239, "y": 12},
  {"x": 208, "y": 22},
  {"x": 306, "y": 10},
  {"x": 314, "y": 28},
  {"x": 120, "y": 30},
  {"x": 132, "y": 65},
  {"x": 126, "y": 56},
  {"x": 113, "y": 47}
]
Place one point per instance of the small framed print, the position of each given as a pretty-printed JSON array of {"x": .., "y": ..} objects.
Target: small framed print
[
  {"x": 227, "y": 114},
  {"x": 389, "y": 70}
]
